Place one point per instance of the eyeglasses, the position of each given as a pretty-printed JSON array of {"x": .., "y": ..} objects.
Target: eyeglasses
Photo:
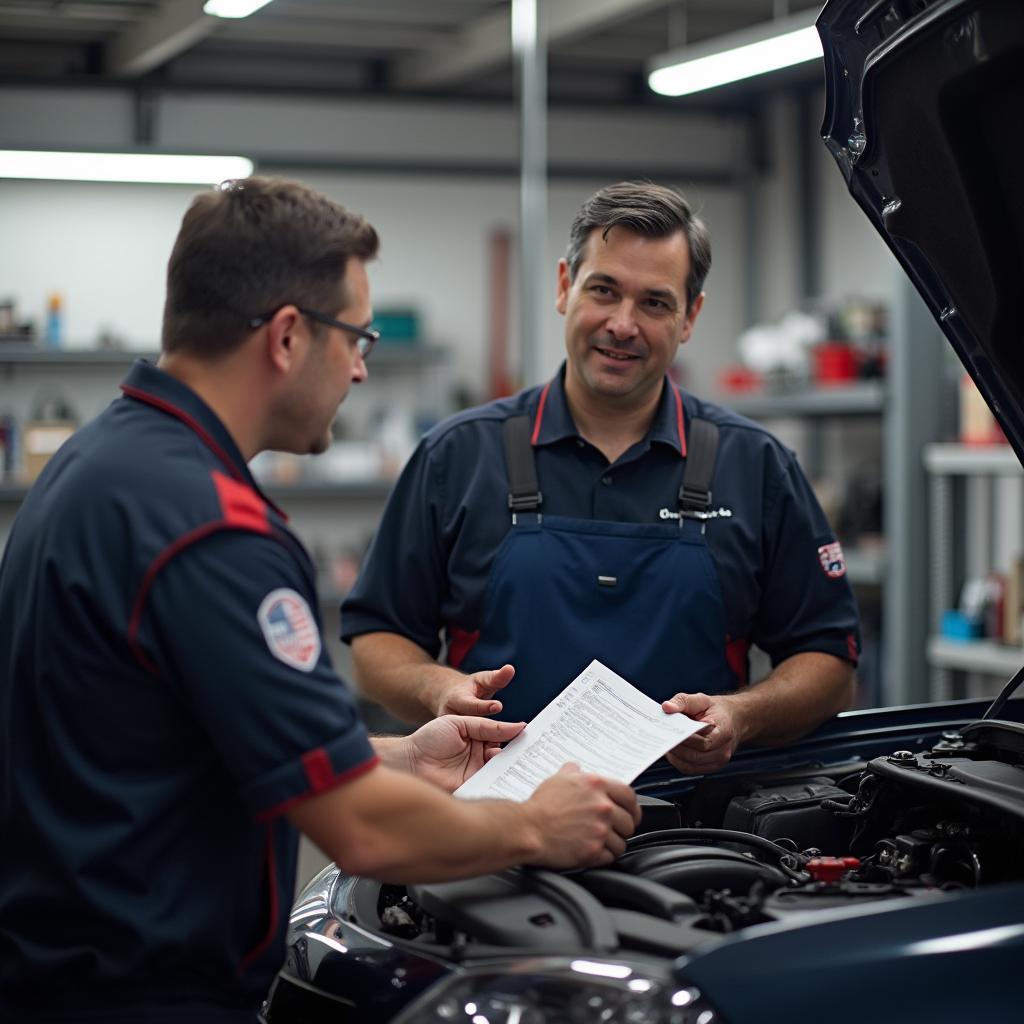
[{"x": 366, "y": 337}]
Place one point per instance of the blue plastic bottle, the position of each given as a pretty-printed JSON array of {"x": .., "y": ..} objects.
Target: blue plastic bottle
[{"x": 53, "y": 321}]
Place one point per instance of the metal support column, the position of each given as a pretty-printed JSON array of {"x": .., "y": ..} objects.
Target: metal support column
[
  {"x": 941, "y": 576},
  {"x": 531, "y": 65},
  {"x": 758, "y": 166},
  {"x": 807, "y": 146},
  {"x": 913, "y": 417}
]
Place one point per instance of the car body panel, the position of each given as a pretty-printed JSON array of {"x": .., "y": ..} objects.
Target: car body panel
[
  {"x": 954, "y": 957},
  {"x": 923, "y": 118}
]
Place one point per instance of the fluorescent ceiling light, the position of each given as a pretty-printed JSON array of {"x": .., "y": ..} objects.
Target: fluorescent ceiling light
[
  {"x": 138, "y": 167},
  {"x": 730, "y": 58},
  {"x": 233, "y": 8}
]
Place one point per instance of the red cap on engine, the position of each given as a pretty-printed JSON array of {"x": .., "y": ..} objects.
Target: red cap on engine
[{"x": 830, "y": 869}]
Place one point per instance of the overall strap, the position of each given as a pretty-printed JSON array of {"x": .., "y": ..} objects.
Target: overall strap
[
  {"x": 702, "y": 450},
  {"x": 524, "y": 493}
]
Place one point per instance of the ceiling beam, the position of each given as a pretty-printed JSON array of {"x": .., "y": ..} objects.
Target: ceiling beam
[
  {"x": 331, "y": 34},
  {"x": 175, "y": 26},
  {"x": 486, "y": 43}
]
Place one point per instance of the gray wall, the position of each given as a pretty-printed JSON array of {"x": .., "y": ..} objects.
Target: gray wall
[{"x": 104, "y": 247}]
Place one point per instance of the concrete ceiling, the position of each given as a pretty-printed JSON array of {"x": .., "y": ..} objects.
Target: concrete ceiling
[{"x": 455, "y": 48}]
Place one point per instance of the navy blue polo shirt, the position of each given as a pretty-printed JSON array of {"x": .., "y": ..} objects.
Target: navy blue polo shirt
[
  {"x": 165, "y": 696},
  {"x": 781, "y": 570}
]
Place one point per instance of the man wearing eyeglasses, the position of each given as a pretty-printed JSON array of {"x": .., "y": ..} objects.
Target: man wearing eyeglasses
[{"x": 169, "y": 715}]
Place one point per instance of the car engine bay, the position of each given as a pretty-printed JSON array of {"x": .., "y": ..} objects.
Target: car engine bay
[{"x": 737, "y": 852}]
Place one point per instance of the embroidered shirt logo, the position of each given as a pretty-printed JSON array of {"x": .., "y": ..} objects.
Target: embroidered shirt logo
[
  {"x": 711, "y": 513},
  {"x": 832, "y": 561},
  {"x": 290, "y": 629}
]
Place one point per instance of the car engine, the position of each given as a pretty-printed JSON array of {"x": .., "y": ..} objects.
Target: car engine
[{"x": 741, "y": 851}]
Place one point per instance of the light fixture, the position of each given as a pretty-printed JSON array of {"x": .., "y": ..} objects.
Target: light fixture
[
  {"x": 233, "y": 8},
  {"x": 766, "y": 47},
  {"x": 134, "y": 167}
]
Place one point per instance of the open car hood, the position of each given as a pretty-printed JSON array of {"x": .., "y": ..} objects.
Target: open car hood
[{"x": 925, "y": 118}]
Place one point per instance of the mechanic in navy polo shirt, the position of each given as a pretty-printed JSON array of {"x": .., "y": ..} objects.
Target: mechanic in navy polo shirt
[
  {"x": 168, "y": 714},
  {"x": 610, "y": 514}
]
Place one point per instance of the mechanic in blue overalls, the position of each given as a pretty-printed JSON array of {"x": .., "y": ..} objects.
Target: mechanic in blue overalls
[{"x": 610, "y": 514}]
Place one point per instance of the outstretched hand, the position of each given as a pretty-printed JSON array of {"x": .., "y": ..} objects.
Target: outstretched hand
[
  {"x": 471, "y": 695},
  {"x": 711, "y": 748},
  {"x": 451, "y": 749}
]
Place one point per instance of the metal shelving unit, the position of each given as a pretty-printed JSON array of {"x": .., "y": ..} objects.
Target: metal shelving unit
[
  {"x": 393, "y": 356},
  {"x": 865, "y": 568},
  {"x": 965, "y": 483},
  {"x": 374, "y": 489},
  {"x": 22, "y": 354},
  {"x": 863, "y": 399},
  {"x": 975, "y": 656},
  {"x": 972, "y": 460},
  {"x": 385, "y": 355},
  {"x": 912, "y": 409},
  {"x": 314, "y": 503},
  {"x": 814, "y": 407}
]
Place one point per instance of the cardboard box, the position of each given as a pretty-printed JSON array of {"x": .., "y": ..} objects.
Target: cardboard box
[{"x": 39, "y": 440}]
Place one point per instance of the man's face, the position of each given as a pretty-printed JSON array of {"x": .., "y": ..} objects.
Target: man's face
[
  {"x": 625, "y": 314},
  {"x": 332, "y": 364}
]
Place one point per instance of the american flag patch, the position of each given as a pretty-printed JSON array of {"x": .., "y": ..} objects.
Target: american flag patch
[
  {"x": 832, "y": 561},
  {"x": 290, "y": 629}
]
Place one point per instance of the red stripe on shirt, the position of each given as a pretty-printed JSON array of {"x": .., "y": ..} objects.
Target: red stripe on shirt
[
  {"x": 240, "y": 505},
  {"x": 460, "y": 644},
  {"x": 336, "y": 780},
  {"x": 155, "y": 566},
  {"x": 851, "y": 648},
  {"x": 736, "y": 657},
  {"x": 173, "y": 410},
  {"x": 540, "y": 413},
  {"x": 318, "y": 768},
  {"x": 193, "y": 424},
  {"x": 679, "y": 417}
]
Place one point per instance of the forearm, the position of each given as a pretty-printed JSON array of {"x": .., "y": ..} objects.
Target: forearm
[
  {"x": 803, "y": 691},
  {"x": 400, "y": 676},
  {"x": 394, "y": 753},
  {"x": 398, "y": 829}
]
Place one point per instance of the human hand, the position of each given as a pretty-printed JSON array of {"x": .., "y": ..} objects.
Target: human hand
[
  {"x": 449, "y": 750},
  {"x": 582, "y": 820},
  {"x": 711, "y": 748},
  {"x": 471, "y": 695}
]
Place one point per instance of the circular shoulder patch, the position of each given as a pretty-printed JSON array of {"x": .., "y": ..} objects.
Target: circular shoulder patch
[{"x": 290, "y": 629}]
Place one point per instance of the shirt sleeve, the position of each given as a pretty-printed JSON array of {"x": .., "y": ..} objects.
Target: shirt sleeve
[
  {"x": 807, "y": 603},
  {"x": 403, "y": 580},
  {"x": 236, "y": 628}
]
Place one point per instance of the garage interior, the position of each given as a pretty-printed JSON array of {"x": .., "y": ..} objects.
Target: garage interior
[{"x": 439, "y": 126}]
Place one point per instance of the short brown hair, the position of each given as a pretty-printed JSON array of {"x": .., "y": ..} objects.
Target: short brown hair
[
  {"x": 250, "y": 246},
  {"x": 647, "y": 209}
]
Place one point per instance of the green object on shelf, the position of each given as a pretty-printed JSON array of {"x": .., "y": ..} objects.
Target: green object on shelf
[{"x": 397, "y": 326}]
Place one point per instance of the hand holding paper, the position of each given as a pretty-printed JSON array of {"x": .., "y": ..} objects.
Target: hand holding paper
[
  {"x": 712, "y": 749},
  {"x": 600, "y": 721}
]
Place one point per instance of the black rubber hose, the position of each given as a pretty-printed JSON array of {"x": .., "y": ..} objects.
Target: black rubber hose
[{"x": 785, "y": 858}]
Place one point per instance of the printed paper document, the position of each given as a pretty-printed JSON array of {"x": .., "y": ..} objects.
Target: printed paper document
[{"x": 601, "y": 722}]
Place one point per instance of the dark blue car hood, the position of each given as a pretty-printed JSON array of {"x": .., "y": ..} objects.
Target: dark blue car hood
[{"x": 925, "y": 118}]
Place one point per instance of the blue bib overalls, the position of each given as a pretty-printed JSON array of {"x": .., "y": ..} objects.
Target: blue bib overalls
[{"x": 643, "y": 598}]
